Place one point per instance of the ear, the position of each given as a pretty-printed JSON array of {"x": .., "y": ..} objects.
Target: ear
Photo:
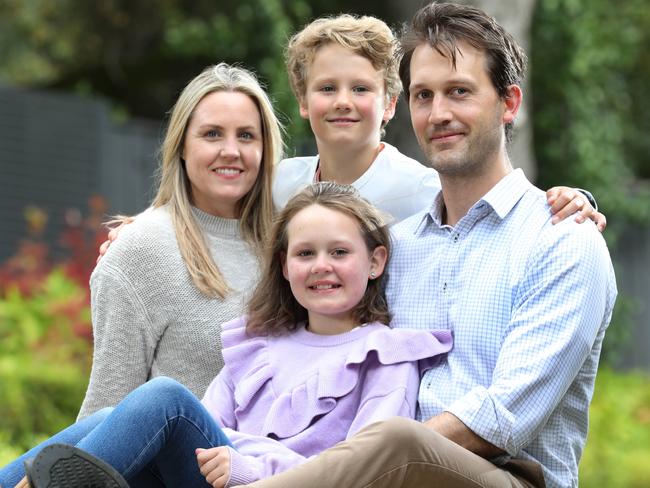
[
  {"x": 283, "y": 262},
  {"x": 389, "y": 111},
  {"x": 512, "y": 102},
  {"x": 378, "y": 260},
  {"x": 304, "y": 112}
]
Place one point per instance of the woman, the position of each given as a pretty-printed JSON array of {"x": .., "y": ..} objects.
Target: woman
[{"x": 161, "y": 293}]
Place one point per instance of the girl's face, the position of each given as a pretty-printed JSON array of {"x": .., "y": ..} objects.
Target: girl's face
[
  {"x": 223, "y": 151},
  {"x": 328, "y": 266}
]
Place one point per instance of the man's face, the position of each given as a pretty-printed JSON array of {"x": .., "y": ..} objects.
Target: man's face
[{"x": 456, "y": 113}]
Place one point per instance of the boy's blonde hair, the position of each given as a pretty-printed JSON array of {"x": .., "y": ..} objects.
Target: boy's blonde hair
[{"x": 366, "y": 36}]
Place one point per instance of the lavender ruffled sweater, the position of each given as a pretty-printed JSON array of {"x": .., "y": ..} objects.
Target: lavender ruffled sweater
[{"x": 283, "y": 399}]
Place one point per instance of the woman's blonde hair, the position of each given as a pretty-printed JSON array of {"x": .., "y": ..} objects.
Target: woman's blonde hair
[
  {"x": 273, "y": 309},
  {"x": 174, "y": 190}
]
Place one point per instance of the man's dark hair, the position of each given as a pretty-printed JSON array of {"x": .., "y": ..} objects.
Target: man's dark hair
[{"x": 443, "y": 25}]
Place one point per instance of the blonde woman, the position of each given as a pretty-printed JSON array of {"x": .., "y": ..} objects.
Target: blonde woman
[{"x": 161, "y": 293}]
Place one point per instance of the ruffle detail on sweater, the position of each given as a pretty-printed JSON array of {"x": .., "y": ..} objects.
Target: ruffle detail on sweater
[{"x": 293, "y": 411}]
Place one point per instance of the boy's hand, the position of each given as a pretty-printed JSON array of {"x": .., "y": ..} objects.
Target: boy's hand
[
  {"x": 112, "y": 235},
  {"x": 214, "y": 464},
  {"x": 565, "y": 201}
]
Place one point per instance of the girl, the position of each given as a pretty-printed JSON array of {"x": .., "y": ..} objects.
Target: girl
[
  {"x": 311, "y": 364},
  {"x": 187, "y": 265}
]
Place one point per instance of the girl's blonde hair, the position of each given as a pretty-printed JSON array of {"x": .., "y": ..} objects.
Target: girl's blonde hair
[
  {"x": 273, "y": 309},
  {"x": 174, "y": 190}
]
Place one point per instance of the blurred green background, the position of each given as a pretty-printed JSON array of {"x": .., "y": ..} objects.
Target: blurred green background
[{"x": 590, "y": 113}]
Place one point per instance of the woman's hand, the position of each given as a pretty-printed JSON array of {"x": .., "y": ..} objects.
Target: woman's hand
[{"x": 214, "y": 464}]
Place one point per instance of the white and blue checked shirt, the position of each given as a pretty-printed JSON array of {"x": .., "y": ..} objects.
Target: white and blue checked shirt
[{"x": 528, "y": 303}]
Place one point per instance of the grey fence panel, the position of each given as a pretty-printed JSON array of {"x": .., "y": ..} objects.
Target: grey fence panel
[{"x": 57, "y": 150}]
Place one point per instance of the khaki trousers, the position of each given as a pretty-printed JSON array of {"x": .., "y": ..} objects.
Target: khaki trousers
[{"x": 403, "y": 453}]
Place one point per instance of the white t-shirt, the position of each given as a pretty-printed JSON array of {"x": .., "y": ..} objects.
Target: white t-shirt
[{"x": 394, "y": 183}]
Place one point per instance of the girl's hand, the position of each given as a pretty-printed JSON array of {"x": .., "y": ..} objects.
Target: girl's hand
[
  {"x": 565, "y": 201},
  {"x": 23, "y": 483},
  {"x": 214, "y": 464}
]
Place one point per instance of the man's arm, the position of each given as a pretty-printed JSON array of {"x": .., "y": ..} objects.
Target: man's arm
[
  {"x": 450, "y": 426},
  {"x": 559, "y": 312}
]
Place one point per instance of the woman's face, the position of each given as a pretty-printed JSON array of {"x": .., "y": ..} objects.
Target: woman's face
[{"x": 223, "y": 151}]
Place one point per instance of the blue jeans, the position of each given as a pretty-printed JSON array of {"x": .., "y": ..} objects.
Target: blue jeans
[{"x": 149, "y": 437}]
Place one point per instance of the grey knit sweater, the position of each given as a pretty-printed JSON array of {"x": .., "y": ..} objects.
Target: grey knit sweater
[{"x": 148, "y": 317}]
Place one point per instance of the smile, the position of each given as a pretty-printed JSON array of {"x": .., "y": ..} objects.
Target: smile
[
  {"x": 324, "y": 287},
  {"x": 446, "y": 137},
  {"x": 227, "y": 171}
]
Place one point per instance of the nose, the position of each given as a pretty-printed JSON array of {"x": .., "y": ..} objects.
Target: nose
[
  {"x": 342, "y": 101},
  {"x": 440, "y": 113},
  {"x": 230, "y": 148},
  {"x": 321, "y": 264}
]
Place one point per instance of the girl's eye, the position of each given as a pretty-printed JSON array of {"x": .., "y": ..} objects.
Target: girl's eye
[
  {"x": 360, "y": 89},
  {"x": 339, "y": 252},
  {"x": 304, "y": 253},
  {"x": 327, "y": 88}
]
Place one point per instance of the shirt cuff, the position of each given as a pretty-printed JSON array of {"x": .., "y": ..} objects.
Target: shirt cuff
[
  {"x": 241, "y": 472},
  {"x": 486, "y": 418}
]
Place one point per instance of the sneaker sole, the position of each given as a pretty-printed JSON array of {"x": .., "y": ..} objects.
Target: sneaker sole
[{"x": 64, "y": 466}]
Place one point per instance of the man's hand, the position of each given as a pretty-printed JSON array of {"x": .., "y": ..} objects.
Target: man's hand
[
  {"x": 214, "y": 464},
  {"x": 565, "y": 201},
  {"x": 449, "y": 426},
  {"x": 112, "y": 235}
]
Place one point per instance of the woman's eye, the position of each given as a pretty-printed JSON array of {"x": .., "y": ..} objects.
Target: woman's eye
[
  {"x": 211, "y": 133},
  {"x": 246, "y": 136}
]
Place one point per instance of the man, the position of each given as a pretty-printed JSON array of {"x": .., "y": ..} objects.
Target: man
[{"x": 528, "y": 302}]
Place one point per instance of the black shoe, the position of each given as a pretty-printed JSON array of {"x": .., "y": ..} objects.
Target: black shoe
[{"x": 64, "y": 466}]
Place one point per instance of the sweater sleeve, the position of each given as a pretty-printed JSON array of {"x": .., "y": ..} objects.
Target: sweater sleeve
[
  {"x": 123, "y": 342},
  {"x": 256, "y": 457}
]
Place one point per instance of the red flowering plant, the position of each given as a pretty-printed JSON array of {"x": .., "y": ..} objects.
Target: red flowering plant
[{"x": 45, "y": 327}]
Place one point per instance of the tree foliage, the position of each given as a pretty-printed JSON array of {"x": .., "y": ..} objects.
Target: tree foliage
[
  {"x": 140, "y": 54},
  {"x": 590, "y": 66}
]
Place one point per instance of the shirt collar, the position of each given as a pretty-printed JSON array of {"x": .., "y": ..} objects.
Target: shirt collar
[{"x": 501, "y": 198}]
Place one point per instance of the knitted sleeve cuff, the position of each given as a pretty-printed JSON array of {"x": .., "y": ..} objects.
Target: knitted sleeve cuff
[{"x": 242, "y": 471}]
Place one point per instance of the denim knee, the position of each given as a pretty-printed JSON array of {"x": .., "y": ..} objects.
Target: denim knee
[{"x": 166, "y": 390}]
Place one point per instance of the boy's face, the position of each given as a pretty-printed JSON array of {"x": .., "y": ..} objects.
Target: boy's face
[{"x": 345, "y": 100}]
